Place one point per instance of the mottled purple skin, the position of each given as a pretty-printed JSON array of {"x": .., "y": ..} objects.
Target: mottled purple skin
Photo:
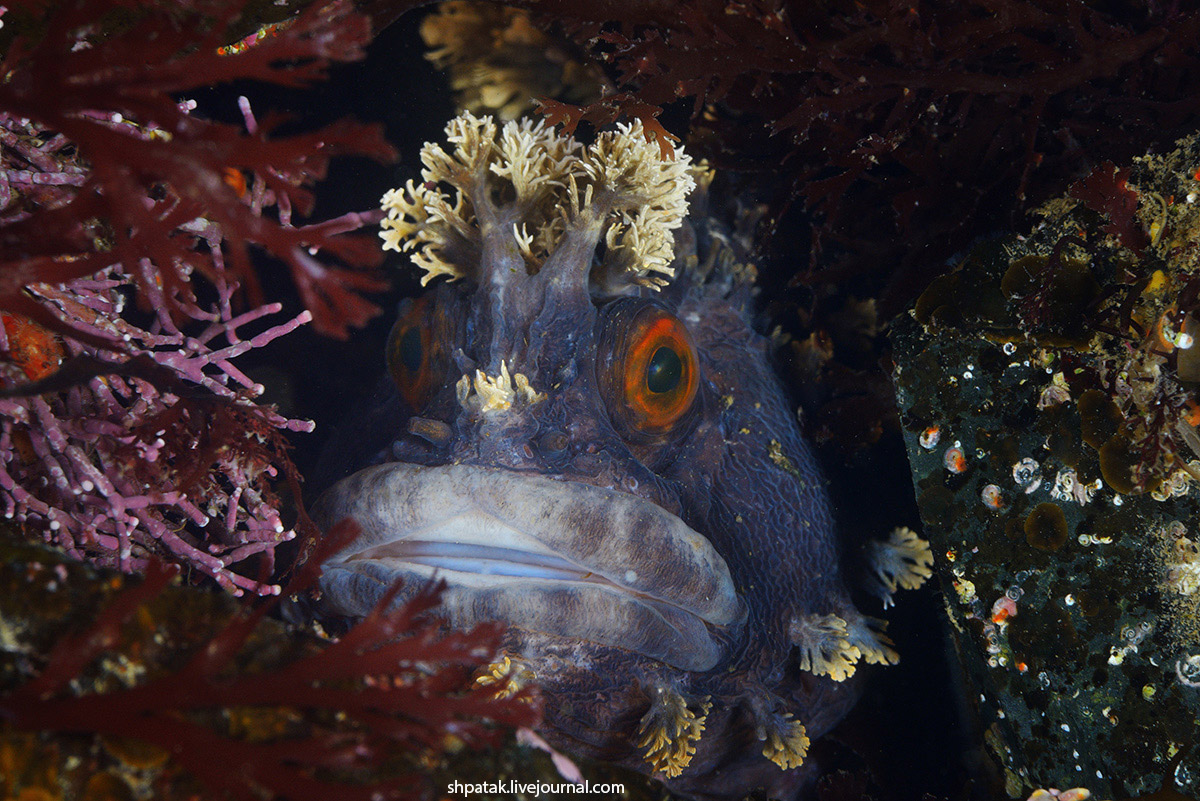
[{"x": 772, "y": 525}]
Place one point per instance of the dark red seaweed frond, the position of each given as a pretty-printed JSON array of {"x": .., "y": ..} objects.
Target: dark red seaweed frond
[
  {"x": 93, "y": 106},
  {"x": 1106, "y": 191},
  {"x": 607, "y": 112},
  {"x": 251, "y": 710},
  {"x": 127, "y": 433},
  {"x": 906, "y": 129}
]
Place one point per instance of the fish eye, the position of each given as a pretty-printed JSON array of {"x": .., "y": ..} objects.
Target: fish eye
[
  {"x": 665, "y": 370},
  {"x": 411, "y": 352},
  {"x": 647, "y": 368}
]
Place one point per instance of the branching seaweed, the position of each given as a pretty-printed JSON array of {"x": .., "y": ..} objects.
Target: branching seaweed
[
  {"x": 246, "y": 716},
  {"x": 91, "y": 110},
  {"x": 126, "y": 429},
  {"x": 906, "y": 128}
]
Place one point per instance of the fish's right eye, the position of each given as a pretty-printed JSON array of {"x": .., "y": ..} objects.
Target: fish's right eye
[{"x": 413, "y": 352}]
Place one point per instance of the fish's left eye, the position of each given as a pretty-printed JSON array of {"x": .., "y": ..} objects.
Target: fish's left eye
[
  {"x": 648, "y": 369},
  {"x": 412, "y": 352}
]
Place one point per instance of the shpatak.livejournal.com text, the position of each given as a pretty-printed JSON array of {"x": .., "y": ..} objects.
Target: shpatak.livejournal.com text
[{"x": 458, "y": 789}]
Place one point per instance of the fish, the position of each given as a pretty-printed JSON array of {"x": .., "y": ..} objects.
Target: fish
[{"x": 586, "y": 440}]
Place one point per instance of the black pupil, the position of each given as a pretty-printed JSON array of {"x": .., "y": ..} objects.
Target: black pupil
[
  {"x": 664, "y": 371},
  {"x": 410, "y": 349}
]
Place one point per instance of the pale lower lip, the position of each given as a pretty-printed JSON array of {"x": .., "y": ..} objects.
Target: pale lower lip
[{"x": 556, "y": 557}]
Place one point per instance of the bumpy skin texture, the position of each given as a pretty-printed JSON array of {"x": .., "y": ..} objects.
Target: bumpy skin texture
[{"x": 737, "y": 470}]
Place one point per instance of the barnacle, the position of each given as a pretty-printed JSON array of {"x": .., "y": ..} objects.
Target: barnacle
[
  {"x": 669, "y": 730},
  {"x": 903, "y": 561},
  {"x": 824, "y": 646},
  {"x": 1178, "y": 565},
  {"x": 1068, "y": 486},
  {"x": 525, "y": 188},
  {"x": 1177, "y": 483},
  {"x": 1183, "y": 567}
]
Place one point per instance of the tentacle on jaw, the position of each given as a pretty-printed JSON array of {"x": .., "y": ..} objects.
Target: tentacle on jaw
[
  {"x": 785, "y": 740},
  {"x": 668, "y": 732},
  {"x": 824, "y": 645},
  {"x": 508, "y": 676},
  {"x": 867, "y": 635}
]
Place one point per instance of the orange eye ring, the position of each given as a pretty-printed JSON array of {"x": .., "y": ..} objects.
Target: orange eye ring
[
  {"x": 649, "y": 373},
  {"x": 411, "y": 352}
]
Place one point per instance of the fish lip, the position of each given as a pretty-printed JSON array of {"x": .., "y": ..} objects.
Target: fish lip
[{"x": 509, "y": 543}]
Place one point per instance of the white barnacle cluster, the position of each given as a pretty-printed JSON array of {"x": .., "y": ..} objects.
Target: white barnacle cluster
[
  {"x": 1181, "y": 560},
  {"x": 903, "y": 561},
  {"x": 1177, "y": 483},
  {"x": 1069, "y": 487},
  {"x": 532, "y": 185},
  {"x": 1177, "y": 553}
]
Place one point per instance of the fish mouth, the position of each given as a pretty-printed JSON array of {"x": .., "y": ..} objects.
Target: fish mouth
[{"x": 558, "y": 557}]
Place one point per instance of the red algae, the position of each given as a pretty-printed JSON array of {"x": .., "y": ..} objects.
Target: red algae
[
  {"x": 196, "y": 696},
  {"x": 127, "y": 430}
]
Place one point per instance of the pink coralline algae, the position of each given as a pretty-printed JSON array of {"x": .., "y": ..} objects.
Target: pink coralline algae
[
  {"x": 164, "y": 433},
  {"x": 126, "y": 287}
]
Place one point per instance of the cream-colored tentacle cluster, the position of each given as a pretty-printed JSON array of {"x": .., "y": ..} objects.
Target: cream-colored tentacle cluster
[{"x": 538, "y": 184}]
